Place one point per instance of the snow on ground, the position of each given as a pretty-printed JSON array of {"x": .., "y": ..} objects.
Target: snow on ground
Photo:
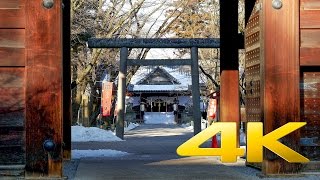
[
  {"x": 78, "y": 154},
  {"x": 188, "y": 126},
  {"x": 158, "y": 118},
  {"x": 86, "y": 134},
  {"x": 131, "y": 126}
]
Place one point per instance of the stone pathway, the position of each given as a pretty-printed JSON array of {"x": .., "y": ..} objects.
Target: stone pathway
[{"x": 153, "y": 155}]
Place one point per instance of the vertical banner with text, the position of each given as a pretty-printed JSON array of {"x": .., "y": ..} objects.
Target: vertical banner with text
[
  {"x": 212, "y": 108},
  {"x": 106, "y": 103}
]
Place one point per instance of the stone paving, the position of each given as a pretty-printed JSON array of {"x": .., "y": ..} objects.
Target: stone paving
[{"x": 153, "y": 155}]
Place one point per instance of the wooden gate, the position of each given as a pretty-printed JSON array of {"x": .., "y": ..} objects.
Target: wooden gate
[
  {"x": 310, "y": 81},
  {"x": 274, "y": 71},
  {"x": 12, "y": 86},
  {"x": 253, "y": 67},
  {"x": 30, "y": 88}
]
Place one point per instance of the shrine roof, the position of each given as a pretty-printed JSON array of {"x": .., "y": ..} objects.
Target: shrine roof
[{"x": 161, "y": 78}]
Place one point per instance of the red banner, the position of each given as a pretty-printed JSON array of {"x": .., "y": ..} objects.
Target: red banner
[
  {"x": 212, "y": 108},
  {"x": 106, "y": 103}
]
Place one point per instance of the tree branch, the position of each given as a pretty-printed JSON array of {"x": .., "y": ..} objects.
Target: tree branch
[{"x": 210, "y": 77}]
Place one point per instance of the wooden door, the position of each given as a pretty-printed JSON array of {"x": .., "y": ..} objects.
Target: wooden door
[
  {"x": 253, "y": 70},
  {"x": 30, "y": 88},
  {"x": 12, "y": 86},
  {"x": 310, "y": 81},
  {"x": 272, "y": 75}
]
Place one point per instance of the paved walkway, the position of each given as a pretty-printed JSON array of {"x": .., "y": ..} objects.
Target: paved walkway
[{"x": 153, "y": 155}]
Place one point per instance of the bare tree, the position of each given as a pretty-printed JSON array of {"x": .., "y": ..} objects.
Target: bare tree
[
  {"x": 201, "y": 19},
  {"x": 109, "y": 19}
]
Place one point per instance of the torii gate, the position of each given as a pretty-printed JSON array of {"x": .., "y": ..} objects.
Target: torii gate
[
  {"x": 35, "y": 56},
  {"x": 124, "y": 44}
]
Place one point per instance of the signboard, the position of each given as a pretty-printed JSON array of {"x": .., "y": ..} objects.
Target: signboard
[{"x": 106, "y": 98}]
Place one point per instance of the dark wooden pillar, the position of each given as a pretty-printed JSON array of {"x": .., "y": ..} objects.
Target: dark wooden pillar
[
  {"x": 281, "y": 84},
  {"x": 43, "y": 88},
  {"x": 229, "y": 63},
  {"x": 67, "y": 113}
]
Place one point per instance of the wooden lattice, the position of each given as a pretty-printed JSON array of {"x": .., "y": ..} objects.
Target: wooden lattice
[{"x": 252, "y": 63}]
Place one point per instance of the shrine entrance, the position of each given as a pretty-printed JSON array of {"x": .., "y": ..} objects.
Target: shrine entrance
[
  {"x": 35, "y": 115},
  {"x": 124, "y": 44},
  {"x": 161, "y": 109},
  {"x": 158, "y": 104}
]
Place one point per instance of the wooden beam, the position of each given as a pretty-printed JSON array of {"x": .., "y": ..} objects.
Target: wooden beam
[
  {"x": 310, "y": 38},
  {"x": 12, "y": 56},
  {"x": 310, "y": 18},
  {"x": 229, "y": 93},
  {"x": 158, "y": 62},
  {"x": 12, "y": 13},
  {"x": 281, "y": 83},
  {"x": 310, "y": 4},
  {"x": 12, "y": 96},
  {"x": 14, "y": 38},
  {"x": 229, "y": 63},
  {"x": 14, "y": 18},
  {"x": 310, "y": 56},
  {"x": 154, "y": 42},
  {"x": 67, "y": 112},
  {"x": 240, "y": 41},
  {"x": 12, "y": 116},
  {"x": 43, "y": 89},
  {"x": 10, "y": 4}
]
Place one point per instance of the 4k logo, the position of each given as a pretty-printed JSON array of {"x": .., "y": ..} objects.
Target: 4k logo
[{"x": 255, "y": 143}]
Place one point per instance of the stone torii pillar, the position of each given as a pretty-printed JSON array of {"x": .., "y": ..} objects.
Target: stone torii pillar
[{"x": 121, "y": 93}]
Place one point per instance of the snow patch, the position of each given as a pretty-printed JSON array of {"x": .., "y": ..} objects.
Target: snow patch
[
  {"x": 78, "y": 154},
  {"x": 131, "y": 126},
  {"x": 189, "y": 126},
  {"x": 87, "y": 134}
]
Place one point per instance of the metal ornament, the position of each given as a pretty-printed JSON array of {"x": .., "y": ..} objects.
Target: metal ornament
[
  {"x": 49, "y": 145},
  {"x": 277, "y": 4},
  {"x": 48, "y": 4}
]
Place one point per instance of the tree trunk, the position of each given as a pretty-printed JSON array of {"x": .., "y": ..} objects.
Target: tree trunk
[
  {"x": 76, "y": 102},
  {"x": 86, "y": 111}
]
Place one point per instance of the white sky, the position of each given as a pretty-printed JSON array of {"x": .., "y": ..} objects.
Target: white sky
[{"x": 155, "y": 22}]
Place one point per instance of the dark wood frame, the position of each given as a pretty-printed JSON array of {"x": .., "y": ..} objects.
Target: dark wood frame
[
  {"x": 43, "y": 88},
  {"x": 41, "y": 59}
]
